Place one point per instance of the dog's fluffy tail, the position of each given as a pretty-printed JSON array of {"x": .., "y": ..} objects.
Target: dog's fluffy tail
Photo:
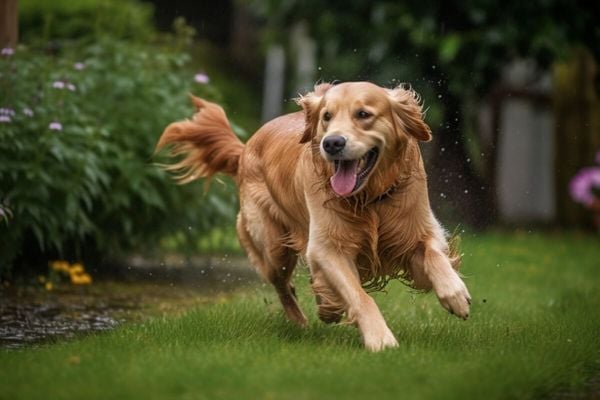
[{"x": 206, "y": 144}]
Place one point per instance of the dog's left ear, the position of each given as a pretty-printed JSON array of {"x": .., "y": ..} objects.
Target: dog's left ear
[
  {"x": 408, "y": 110},
  {"x": 311, "y": 104}
]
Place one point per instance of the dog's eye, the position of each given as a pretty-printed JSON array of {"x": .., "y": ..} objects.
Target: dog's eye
[
  {"x": 326, "y": 116},
  {"x": 362, "y": 114}
]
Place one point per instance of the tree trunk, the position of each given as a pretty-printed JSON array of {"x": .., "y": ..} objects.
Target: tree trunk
[
  {"x": 9, "y": 23},
  {"x": 577, "y": 129}
]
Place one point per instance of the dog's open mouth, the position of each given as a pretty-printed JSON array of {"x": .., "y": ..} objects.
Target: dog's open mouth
[{"x": 350, "y": 175}]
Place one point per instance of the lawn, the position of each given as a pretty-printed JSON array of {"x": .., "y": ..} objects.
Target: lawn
[{"x": 534, "y": 332}]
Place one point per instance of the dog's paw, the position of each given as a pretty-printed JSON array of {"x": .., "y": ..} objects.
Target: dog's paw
[
  {"x": 380, "y": 341},
  {"x": 455, "y": 297}
]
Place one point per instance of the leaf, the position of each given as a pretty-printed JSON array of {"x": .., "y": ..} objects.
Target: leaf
[{"x": 449, "y": 48}]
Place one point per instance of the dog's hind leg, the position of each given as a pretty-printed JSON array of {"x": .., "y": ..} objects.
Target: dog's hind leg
[
  {"x": 281, "y": 274},
  {"x": 330, "y": 307},
  {"x": 273, "y": 261}
]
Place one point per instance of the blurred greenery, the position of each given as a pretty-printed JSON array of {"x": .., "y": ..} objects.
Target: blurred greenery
[
  {"x": 84, "y": 20},
  {"x": 77, "y": 178},
  {"x": 462, "y": 44},
  {"x": 452, "y": 52}
]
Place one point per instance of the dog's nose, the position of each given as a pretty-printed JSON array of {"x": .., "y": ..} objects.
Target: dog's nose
[{"x": 334, "y": 144}]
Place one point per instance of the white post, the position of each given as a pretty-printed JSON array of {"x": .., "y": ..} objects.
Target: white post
[
  {"x": 273, "y": 83},
  {"x": 305, "y": 56}
]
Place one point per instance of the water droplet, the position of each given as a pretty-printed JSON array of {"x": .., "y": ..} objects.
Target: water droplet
[
  {"x": 439, "y": 96},
  {"x": 468, "y": 160},
  {"x": 443, "y": 149},
  {"x": 319, "y": 68},
  {"x": 466, "y": 191}
]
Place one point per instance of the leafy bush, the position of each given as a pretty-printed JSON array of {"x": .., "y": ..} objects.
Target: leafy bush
[
  {"x": 77, "y": 134},
  {"x": 84, "y": 19}
]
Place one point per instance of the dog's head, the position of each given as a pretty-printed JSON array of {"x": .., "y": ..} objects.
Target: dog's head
[{"x": 360, "y": 128}]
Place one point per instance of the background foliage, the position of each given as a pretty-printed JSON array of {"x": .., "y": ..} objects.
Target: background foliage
[
  {"x": 454, "y": 53},
  {"x": 84, "y": 20},
  {"x": 77, "y": 178}
]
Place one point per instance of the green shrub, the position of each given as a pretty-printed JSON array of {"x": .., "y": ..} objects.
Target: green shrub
[
  {"x": 84, "y": 19},
  {"x": 77, "y": 135}
]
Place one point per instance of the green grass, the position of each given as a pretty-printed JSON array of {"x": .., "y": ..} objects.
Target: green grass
[{"x": 534, "y": 329}]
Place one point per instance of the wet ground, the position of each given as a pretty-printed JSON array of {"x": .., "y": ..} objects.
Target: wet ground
[{"x": 30, "y": 314}]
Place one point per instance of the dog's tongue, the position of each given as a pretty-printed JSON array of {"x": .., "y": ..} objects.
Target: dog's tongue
[{"x": 344, "y": 180}]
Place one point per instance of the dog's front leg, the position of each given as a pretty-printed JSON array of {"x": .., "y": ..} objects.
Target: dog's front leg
[{"x": 339, "y": 272}]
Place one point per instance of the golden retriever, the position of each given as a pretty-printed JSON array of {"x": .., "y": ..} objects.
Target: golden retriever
[{"x": 342, "y": 183}]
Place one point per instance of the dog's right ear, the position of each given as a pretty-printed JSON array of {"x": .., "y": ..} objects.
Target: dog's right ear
[{"x": 311, "y": 104}]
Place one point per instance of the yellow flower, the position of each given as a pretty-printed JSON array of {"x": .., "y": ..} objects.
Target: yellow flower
[
  {"x": 49, "y": 286},
  {"x": 60, "y": 266},
  {"x": 76, "y": 269},
  {"x": 41, "y": 279},
  {"x": 81, "y": 279}
]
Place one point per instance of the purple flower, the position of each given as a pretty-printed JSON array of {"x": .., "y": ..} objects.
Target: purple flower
[
  {"x": 7, "y": 51},
  {"x": 58, "y": 85},
  {"x": 583, "y": 184},
  {"x": 7, "y": 111},
  {"x": 28, "y": 111},
  {"x": 71, "y": 87},
  {"x": 55, "y": 126},
  {"x": 5, "y": 118},
  {"x": 79, "y": 66},
  {"x": 201, "y": 78}
]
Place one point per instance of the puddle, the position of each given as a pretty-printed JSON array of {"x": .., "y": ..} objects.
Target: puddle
[
  {"x": 31, "y": 315},
  {"x": 24, "y": 322}
]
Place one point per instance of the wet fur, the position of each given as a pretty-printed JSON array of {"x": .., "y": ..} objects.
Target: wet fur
[{"x": 287, "y": 207}]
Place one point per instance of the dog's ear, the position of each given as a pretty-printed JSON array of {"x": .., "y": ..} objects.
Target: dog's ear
[
  {"x": 408, "y": 110},
  {"x": 311, "y": 104}
]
